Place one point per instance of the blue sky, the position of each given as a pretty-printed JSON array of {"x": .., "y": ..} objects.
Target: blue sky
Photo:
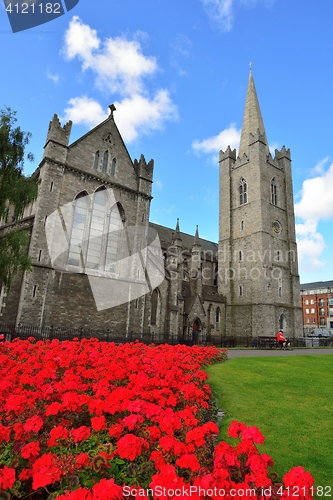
[{"x": 177, "y": 71}]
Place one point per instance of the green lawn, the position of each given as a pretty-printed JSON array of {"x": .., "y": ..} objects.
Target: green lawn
[{"x": 290, "y": 400}]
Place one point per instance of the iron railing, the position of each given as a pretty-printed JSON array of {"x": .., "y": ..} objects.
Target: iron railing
[{"x": 10, "y": 332}]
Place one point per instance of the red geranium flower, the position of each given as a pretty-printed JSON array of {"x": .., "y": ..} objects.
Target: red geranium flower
[
  {"x": 188, "y": 461},
  {"x": 45, "y": 471},
  {"x": 98, "y": 423},
  {"x": 30, "y": 450},
  {"x": 106, "y": 489},
  {"x": 80, "y": 434},
  {"x": 34, "y": 424},
  {"x": 7, "y": 478},
  {"x": 130, "y": 446},
  {"x": 4, "y": 433}
]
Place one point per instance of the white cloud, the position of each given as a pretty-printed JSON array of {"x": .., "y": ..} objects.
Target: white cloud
[
  {"x": 80, "y": 40},
  {"x": 309, "y": 249},
  {"x": 119, "y": 67},
  {"x": 84, "y": 111},
  {"x": 137, "y": 114},
  {"x": 316, "y": 204},
  {"x": 159, "y": 185},
  {"x": 272, "y": 148},
  {"x": 320, "y": 166},
  {"x": 182, "y": 45},
  {"x": 54, "y": 78},
  {"x": 117, "y": 62},
  {"x": 316, "y": 197},
  {"x": 221, "y": 12},
  {"x": 228, "y": 137}
]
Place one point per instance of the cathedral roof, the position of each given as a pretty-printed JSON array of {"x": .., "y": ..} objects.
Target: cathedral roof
[
  {"x": 166, "y": 235},
  {"x": 252, "y": 119}
]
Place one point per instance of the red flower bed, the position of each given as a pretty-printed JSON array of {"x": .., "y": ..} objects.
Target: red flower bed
[{"x": 95, "y": 421}]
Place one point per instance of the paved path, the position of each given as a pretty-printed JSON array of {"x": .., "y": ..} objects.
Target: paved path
[{"x": 245, "y": 353}]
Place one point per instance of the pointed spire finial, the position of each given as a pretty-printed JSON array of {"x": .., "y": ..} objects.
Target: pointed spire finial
[
  {"x": 252, "y": 120},
  {"x": 176, "y": 235},
  {"x": 196, "y": 237}
]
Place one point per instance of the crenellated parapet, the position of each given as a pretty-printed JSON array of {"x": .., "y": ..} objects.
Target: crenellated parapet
[
  {"x": 228, "y": 153},
  {"x": 143, "y": 169},
  {"x": 240, "y": 161},
  {"x": 57, "y": 133},
  {"x": 284, "y": 153},
  {"x": 57, "y": 140}
]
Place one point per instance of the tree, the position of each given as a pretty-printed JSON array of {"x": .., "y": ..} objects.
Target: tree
[{"x": 16, "y": 193}]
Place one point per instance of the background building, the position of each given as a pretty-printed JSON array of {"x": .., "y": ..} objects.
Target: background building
[{"x": 317, "y": 307}]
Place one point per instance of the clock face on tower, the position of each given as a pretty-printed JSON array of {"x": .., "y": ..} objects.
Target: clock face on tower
[{"x": 276, "y": 225}]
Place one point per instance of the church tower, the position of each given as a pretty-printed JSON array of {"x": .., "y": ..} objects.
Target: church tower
[{"x": 258, "y": 268}]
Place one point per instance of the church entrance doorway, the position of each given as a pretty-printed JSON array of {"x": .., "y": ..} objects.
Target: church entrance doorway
[{"x": 282, "y": 322}]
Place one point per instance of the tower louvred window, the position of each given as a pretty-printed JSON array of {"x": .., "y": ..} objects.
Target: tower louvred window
[
  {"x": 242, "y": 191},
  {"x": 273, "y": 192}
]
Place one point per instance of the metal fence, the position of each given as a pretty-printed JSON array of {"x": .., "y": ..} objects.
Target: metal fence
[
  {"x": 10, "y": 332},
  {"x": 252, "y": 342}
]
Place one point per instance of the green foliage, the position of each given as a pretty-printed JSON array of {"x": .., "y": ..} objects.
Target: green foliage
[
  {"x": 290, "y": 400},
  {"x": 16, "y": 193}
]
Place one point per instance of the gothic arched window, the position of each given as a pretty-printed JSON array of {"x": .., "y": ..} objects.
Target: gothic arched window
[
  {"x": 242, "y": 191},
  {"x": 96, "y": 161},
  {"x": 154, "y": 302},
  {"x": 105, "y": 161},
  {"x": 75, "y": 254},
  {"x": 96, "y": 230},
  {"x": 113, "y": 166},
  {"x": 114, "y": 237},
  {"x": 217, "y": 318},
  {"x": 273, "y": 192},
  {"x": 216, "y": 273}
]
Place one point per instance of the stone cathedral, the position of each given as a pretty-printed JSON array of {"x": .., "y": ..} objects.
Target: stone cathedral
[{"x": 247, "y": 284}]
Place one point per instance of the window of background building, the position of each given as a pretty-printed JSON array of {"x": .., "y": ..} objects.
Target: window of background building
[
  {"x": 322, "y": 312},
  {"x": 306, "y": 302},
  {"x": 312, "y": 311},
  {"x": 307, "y": 311},
  {"x": 322, "y": 321},
  {"x": 321, "y": 302},
  {"x": 312, "y": 301}
]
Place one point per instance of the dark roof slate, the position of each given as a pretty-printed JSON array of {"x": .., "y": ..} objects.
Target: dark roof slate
[
  {"x": 316, "y": 284},
  {"x": 166, "y": 234}
]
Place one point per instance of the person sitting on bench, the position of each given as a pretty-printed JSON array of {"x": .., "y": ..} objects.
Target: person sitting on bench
[{"x": 282, "y": 341}]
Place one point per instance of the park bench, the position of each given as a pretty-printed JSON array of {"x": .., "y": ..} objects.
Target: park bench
[{"x": 267, "y": 343}]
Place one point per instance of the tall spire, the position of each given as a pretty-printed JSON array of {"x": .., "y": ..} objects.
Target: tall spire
[
  {"x": 196, "y": 237},
  {"x": 252, "y": 119}
]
